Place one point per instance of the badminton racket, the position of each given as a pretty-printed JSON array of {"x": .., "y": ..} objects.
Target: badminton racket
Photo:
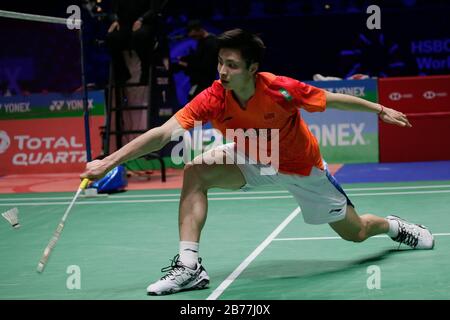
[{"x": 52, "y": 243}]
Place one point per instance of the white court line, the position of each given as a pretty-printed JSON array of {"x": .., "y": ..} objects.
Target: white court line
[
  {"x": 339, "y": 238},
  {"x": 139, "y": 201},
  {"x": 399, "y": 188},
  {"x": 229, "y": 280},
  {"x": 212, "y": 199},
  {"x": 395, "y": 193},
  {"x": 226, "y": 193},
  {"x": 148, "y": 195},
  {"x": 226, "y": 283}
]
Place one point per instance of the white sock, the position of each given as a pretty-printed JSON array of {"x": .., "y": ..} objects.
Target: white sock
[
  {"x": 189, "y": 253},
  {"x": 393, "y": 228}
]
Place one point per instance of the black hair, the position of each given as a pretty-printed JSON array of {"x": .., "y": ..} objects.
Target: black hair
[{"x": 250, "y": 45}]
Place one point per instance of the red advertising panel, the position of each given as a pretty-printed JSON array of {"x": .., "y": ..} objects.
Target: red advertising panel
[
  {"x": 45, "y": 133},
  {"x": 426, "y": 102},
  {"x": 45, "y": 145}
]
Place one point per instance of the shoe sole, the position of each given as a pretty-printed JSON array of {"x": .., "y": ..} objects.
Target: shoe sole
[{"x": 203, "y": 284}]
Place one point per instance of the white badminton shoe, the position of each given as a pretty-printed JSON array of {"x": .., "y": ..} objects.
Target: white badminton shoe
[
  {"x": 179, "y": 278},
  {"x": 414, "y": 235}
]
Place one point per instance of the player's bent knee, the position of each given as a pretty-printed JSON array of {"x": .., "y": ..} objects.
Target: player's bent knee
[
  {"x": 198, "y": 174},
  {"x": 193, "y": 170}
]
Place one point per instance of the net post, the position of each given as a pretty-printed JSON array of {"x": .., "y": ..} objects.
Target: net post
[{"x": 85, "y": 98}]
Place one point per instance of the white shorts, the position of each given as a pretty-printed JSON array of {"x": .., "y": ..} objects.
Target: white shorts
[{"x": 319, "y": 195}]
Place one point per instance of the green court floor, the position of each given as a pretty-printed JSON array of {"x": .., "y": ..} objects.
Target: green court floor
[{"x": 255, "y": 245}]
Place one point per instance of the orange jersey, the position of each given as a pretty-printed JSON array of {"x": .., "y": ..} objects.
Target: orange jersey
[{"x": 274, "y": 105}]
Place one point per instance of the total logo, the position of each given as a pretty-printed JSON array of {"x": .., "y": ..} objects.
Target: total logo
[
  {"x": 431, "y": 94},
  {"x": 4, "y": 141},
  {"x": 396, "y": 96}
]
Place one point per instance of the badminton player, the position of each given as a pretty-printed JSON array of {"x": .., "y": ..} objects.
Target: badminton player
[{"x": 245, "y": 98}]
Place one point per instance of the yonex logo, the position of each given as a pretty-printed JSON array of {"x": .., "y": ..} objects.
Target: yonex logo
[
  {"x": 56, "y": 105},
  {"x": 4, "y": 141}
]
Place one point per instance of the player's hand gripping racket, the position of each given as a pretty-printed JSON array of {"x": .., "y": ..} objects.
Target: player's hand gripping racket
[{"x": 56, "y": 235}]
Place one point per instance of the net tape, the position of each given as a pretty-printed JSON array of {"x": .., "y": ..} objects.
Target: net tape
[{"x": 38, "y": 18}]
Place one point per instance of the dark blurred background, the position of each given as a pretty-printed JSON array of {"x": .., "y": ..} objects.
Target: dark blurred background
[{"x": 303, "y": 37}]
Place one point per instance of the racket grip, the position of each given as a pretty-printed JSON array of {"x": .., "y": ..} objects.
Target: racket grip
[
  {"x": 43, "y": 261},
  {"x": 84, "y": 183},
  {"x": 49, "y": 248}
]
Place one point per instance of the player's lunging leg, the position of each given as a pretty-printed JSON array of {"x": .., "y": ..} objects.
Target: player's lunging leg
[
  {"x": 186, "y": 271},
  {"x": 359, "y": 228}
]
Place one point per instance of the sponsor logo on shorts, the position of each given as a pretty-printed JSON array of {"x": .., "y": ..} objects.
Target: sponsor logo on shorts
[{"x": 335, "y": 212}]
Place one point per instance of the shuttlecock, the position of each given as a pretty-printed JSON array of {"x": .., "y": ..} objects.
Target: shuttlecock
[
  {"x": 92, "y": 193},
  {"x": 12, "y": 216}
]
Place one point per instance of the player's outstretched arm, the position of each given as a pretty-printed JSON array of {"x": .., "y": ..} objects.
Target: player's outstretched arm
[
  {"x": 150, "y": 141},
  {"x": 347, "y": 102}
]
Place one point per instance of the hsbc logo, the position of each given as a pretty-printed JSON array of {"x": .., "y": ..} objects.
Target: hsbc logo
[
  {"x": 431, "y": 94},
  {"x": 396, "y": 96},
  {"x": 4, "y": 141}
]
